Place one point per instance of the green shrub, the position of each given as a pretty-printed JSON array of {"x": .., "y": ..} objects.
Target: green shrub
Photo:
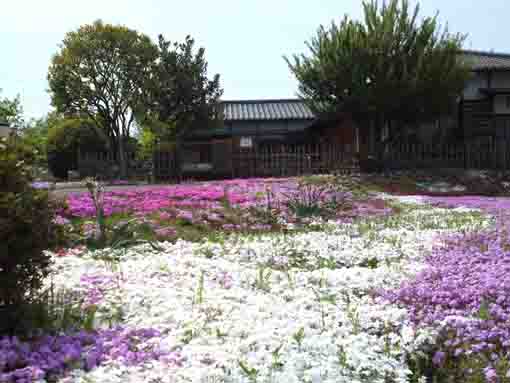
[
  {"x": 64, "y": 139},
  {"x": 98, "y": 168},
  {"x": 313, "y": 199},
  {"x": 52, "y": 311},
  {"x": 26, "y": 222}
]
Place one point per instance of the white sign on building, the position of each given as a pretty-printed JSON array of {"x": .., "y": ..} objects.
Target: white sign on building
[{"x": 246, "y": 142}]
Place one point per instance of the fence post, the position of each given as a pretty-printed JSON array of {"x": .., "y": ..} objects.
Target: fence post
[{"x": 465, "y": 156}]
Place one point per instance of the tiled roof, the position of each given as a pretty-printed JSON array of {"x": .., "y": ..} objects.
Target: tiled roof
[
  {"x": 293, "y": 109},
  {"x": 479, "y": 60}
]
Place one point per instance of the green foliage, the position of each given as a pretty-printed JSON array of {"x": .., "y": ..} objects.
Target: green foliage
[
  {"x": 182, "y": 96},
  {"x": 119, "y": 236},
  {"x": 469, "y": 369},
  {"x": 299, "y": 336},
  {"x": 11, "y": 111},
  {"x": 199, "y": 296},
  {"x": 371, "y": 263},
  {"x": 147, "y": 141},
  {"x": 96, "y": 191},
  {"x": 26, "y": 225},
  {"x": 189, "y": 334},
  {"x": 311, "y": 200},
  {"x": 263, "y": 279},
  {"x": 53, "y": 312},
  {"x": 34, "y": 134},
  {"x": 276, "y": 362},
  {"x": 484, "y": 311},
  {"x": 101, "y": 72},
  {"x": 391, "y": 64},
  {"x": 66, "y": 136},
  {"x": 220, "y": 334},
  {"x": 250, "y": 372}
]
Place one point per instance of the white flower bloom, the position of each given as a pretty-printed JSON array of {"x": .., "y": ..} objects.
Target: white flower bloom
[{"x": 297, "y": 307}]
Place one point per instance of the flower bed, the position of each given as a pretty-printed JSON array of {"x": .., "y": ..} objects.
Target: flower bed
[
  {"x": 208, "y": 195},
  {"x": 50, "y": 357},
  {"x": 272, "y": 307},
  {"x": 194, "y": 210},
  {"x": 464, "y": 294},
  {"x": 369, "y": 290}
]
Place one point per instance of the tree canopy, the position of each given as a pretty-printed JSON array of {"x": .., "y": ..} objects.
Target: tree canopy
[
  {"x": 118, "y": 78},
  {"x": 392, "y": 65},
  {"x": 101, "y": 71},
  {"x": 11, "y": 111},
  {"x": 182, "y": 95}
]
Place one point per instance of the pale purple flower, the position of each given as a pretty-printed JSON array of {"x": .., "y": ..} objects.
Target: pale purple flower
[{"x": 438, "y": 358}]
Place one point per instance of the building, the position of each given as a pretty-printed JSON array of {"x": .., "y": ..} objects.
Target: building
[
  {"x": 5, "y": 130},
  {"x": 247, "y": 125},
  {"x": 484, "y": 110},
  {"x": 482, "y": 115}
]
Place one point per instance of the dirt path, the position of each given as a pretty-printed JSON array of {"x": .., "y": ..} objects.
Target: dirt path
[{"x": 66, "y": 191}]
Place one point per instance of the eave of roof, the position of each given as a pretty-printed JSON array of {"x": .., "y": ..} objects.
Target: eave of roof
[
  {"x": 481, "y": 61},
  {"x": 495, "y": 91}
]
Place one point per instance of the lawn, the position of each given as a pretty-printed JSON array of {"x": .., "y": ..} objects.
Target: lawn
[{"x": 280, "y": 282}]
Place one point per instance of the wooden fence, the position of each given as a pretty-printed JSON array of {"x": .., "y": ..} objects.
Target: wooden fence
[
  {"x": 274, "y": 160},
  {"x": 292, "y": 160},
  {"x": 104, "y": 164},
  {"x": 165, "y": 166},
  {"x": 491, "y": 155},
  {"x": 283, "y": 160}
]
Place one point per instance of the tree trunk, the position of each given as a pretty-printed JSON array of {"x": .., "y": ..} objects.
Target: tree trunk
[
  {"x": 122, "y": 158},
  {"x": 379, "y": 126}
]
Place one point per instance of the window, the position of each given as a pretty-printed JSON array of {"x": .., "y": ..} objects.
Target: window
[{"x": 507, "y": 102}]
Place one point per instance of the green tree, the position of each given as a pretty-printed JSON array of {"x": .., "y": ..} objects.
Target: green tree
[
  {"x": 34, "y": 135},
  {"x": 182, "y": 96},
  {"x": 392, "y": 67},
  {"x": 147, "y": 142},
  {"x": 11, "y": 111},
  {"x": 101, "y": 71}
]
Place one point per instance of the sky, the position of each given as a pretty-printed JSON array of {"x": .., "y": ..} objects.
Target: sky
[{"x": 245, "y": 40}]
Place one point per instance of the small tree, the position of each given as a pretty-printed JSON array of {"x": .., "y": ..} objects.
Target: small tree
[
  {"x": 11, "y": 111},
  {"x": 390, "y": 67},
  {"x": 26, "y": 228},
  {"x": 102, "y": 71}
]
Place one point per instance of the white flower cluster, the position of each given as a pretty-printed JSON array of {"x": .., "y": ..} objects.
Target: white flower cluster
[{"x": 272, "y": 308}]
